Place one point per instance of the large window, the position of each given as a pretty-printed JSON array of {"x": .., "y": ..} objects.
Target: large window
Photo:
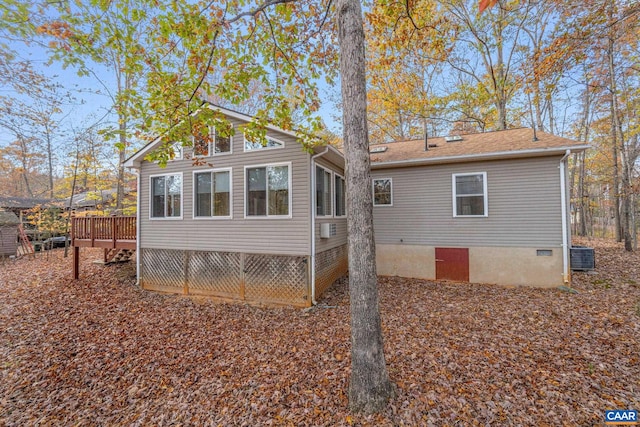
[
  {"x": 166, "y": 196},
  {"x": 340, "y": 196},
  {"x": 212, "y": 194},
  {"x": 217, "y": 144},
  {"x": 470, "y": 194},
  {"x": 268, "y": 190},
  {"x": 323, "y": 192},
  {"x": 382, "y": 192},
  {"x": 250, "y": 145}
]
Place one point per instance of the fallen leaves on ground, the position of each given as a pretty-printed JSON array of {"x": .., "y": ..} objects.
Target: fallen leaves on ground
[{"x": 101, "y": 351}]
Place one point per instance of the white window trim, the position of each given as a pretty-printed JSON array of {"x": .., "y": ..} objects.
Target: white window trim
[
  {"x": 331, "y": 194},
  {"x": 166, "y": 218},
  {"x": 179, "y": 155},
  {"x": 373, "y": 191},
  {"x": 195, "y": 189},
  {"x": 484, "y": 194},
  {"x": 212, "y": 146},
  {"x": 335, "y": 214},
  {"x": 244, "y": 144},
  {"x": 290, "y": 201}
]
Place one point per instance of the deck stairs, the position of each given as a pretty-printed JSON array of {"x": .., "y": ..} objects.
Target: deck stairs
[{"x": 116, "y": 255}]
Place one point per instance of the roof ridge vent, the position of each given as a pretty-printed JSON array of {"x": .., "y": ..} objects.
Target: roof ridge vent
[
  {"x": 378, "y": 149},
  {"x": 453, "y": 138}
]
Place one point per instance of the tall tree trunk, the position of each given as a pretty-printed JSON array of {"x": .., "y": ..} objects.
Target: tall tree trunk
[
  {"x": 370, "y": 387},
  {"x": 614, "y": 158},
  {"x": 623, "y": 191},
  {"x": 582, "y": 205}
]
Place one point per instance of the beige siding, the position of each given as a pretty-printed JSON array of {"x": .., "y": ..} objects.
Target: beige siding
[
  {"x": 341, "y": 222},
  {"x": 286, "y": 236},
  {"x": 524, "y": 207}
]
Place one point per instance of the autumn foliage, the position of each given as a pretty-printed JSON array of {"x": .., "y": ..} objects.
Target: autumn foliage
[{"x": 100, "y": 351}]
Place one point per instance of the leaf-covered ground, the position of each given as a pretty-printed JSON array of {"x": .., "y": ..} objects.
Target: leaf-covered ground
[{"x": 100, "y": 351}]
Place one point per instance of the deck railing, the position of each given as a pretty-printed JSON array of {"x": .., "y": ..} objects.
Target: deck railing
[{"x": 111, "y": 231}]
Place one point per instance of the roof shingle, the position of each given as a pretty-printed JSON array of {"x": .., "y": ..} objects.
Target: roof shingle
[{"x": 498, "y": 144}]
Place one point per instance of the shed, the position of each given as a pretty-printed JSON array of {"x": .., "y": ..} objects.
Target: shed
[{"x": 9, "y": 223}]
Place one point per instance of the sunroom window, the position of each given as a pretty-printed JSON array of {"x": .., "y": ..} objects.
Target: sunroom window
[
  {"x": 267, "y": 191},
  {"x": 212, "y": 194},
  {"x": 340, "y": 196},
  {"x": 166, "y": 196},
  {"x": 251, "y": 145},
  {"x": 323, "y": 192}
]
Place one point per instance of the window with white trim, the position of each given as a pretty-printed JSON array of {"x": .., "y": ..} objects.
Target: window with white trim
[
  {"x": 166, "y": 196},
  {"x": 470, "y": 194},
  {"x": 382, "y": 189},
  {"x": 250, "y": 145},
  {"x": 340, "y": 196},
  {"x": 177, "y": 150},
  {"x": 222, "y": 144},
  {"x": 268, "y": 190},
  {"x": 323, "y": 192},
  {"x": 215, "y": 144},
  {"x": 212, "y": 194}
]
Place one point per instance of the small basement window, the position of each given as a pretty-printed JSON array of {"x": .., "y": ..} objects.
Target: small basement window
[{"x": 544, "y": 252}]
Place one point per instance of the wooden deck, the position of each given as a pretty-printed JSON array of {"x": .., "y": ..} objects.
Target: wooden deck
[{"x": 113, "y": 232}]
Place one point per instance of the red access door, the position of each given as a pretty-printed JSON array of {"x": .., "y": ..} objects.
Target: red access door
[{"x": 452, "y": 264}]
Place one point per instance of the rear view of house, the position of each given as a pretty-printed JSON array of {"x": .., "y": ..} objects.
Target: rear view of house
[
  {"x": 489, "y": 208},
  {"x": 256, "y": 222}
]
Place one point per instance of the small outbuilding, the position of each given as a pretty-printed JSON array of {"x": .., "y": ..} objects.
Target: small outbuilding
[{"x": 9, "y": 223}]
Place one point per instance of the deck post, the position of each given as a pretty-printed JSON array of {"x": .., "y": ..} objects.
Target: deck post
[
  {"x": 114, "y": 230},
  {"x": 76, "y": 262}
]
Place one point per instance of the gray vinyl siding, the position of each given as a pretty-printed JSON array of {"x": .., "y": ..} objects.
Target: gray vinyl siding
[
  {"x": 285, "y": 236},
  {"x": 524, "y": 208},
  {"x": 341, "y": 222}
]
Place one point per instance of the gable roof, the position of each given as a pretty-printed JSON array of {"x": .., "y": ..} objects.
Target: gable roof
[
  {"x": 504, "y": 144},
  {"x": 136, "y": 158}
]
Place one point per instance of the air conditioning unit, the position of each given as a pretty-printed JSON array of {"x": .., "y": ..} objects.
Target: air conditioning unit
[{"x": 327, "y": 230}]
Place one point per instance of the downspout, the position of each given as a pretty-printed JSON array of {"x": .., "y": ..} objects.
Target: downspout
[
  {"x": 313, "y": 223},
  {"x": 136, "y": 171},
  {"x": 565, "y": 236}
]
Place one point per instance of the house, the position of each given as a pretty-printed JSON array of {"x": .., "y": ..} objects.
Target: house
[
  {"x": 250, "y": 221},
  {"x": 489, "y": 208},
  {"x": 266, "y": 222},
  {"x": 9, "y": 224}
]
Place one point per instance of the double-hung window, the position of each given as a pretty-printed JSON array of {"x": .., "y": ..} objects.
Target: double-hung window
[
  {"x": 267, "y": 190},
  {"x": 212, "y": 193},
  {"x": 340, "y": 196},
  {"x": 470, "y": 194},
  {"x": 382, "y": 192},
  {"x": 166, "y": 196},
  {"x": 323, "y": 192}
]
